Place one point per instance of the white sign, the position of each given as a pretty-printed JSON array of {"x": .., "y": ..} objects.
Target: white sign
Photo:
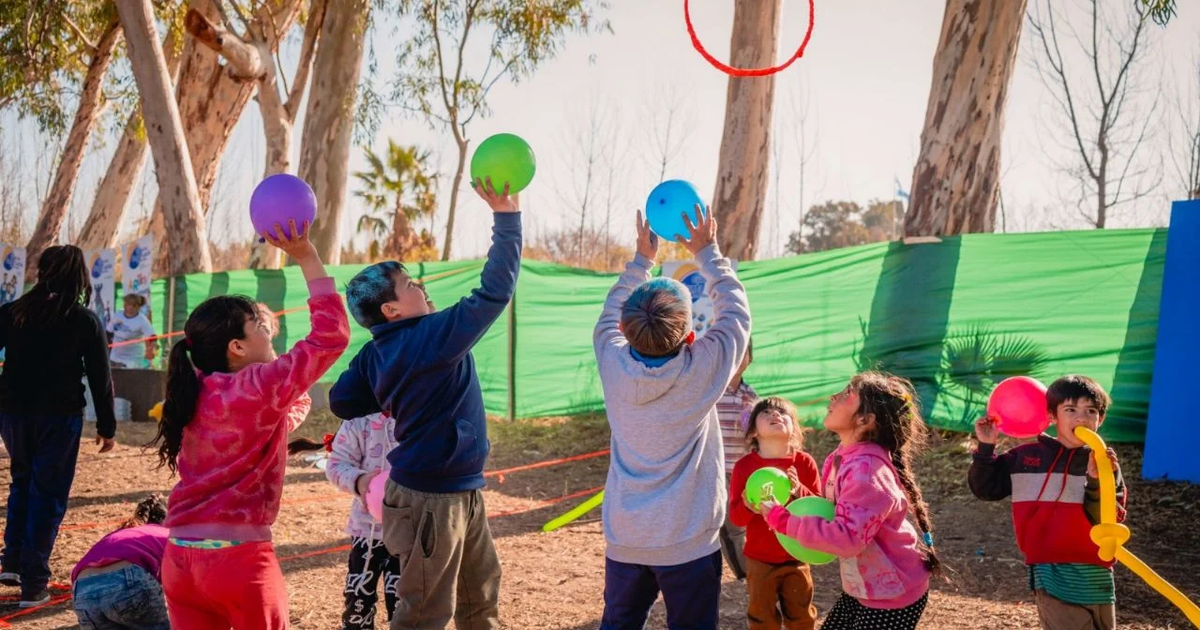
[
  {"x": 688, "y": 273},
  {"x": 101, "y": 267},
  {"x": 12, "y": 273},
  {"x": 136, "y": 265}
]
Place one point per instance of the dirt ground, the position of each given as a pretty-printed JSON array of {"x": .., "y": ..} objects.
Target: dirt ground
[{"x": 555, "y": 581}]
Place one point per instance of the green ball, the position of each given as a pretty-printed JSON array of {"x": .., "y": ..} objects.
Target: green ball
[
  {"x": 808, "y": 506},
  {"x": 504, "y": 158},
  {"x": 771, "y": 481}
]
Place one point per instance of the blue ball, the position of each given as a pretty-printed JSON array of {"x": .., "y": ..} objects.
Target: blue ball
[{"x": 666, "y": 206}]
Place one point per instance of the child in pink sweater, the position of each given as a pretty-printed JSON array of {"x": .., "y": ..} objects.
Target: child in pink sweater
[
  {"x": 230, "y": 403},
  {"x": 885, "y": 563}
]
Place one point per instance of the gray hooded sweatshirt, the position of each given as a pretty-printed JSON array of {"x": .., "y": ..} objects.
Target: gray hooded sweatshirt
[{"x": 664, "y": 502}]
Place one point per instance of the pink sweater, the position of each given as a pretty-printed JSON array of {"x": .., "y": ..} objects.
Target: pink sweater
[
  {"x": 881, "y": 563},
  {"x": 234, "y": 451}
]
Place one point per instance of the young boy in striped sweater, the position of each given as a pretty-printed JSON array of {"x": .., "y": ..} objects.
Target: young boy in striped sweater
[{"x": 1055, "y": 501}]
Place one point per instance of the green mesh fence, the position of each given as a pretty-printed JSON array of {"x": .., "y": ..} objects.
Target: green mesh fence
[{"x": 955, "y": 317}]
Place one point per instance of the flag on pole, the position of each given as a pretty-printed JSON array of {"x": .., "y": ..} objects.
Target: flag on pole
[{"x": 900, "y": 192}]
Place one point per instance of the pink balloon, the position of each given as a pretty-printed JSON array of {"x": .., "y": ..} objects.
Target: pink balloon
[
  {"x": 1019, "y": 405},
  {"x": 374, "y": 496},
  {"x": 278, "y": 199}
]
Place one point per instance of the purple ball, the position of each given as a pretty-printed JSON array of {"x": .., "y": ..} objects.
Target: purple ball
[{"x": 279, "y": 199}]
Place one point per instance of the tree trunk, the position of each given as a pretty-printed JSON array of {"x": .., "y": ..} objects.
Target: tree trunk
[
  {"x": 956, "y": 182},
  {"x": 58, "y": 200},
  {"x": 210, "y": 102},
  {"x": 112, "y": 197},
  {"x": 187, "y": 244},
  {"x": 744, "y": 165},
  {"x": 459, "y": 172},
  {"x": 329, "y": 119}
]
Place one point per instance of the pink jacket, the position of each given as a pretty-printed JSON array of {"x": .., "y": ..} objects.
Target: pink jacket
[
  {"x": 361, "y": 448},
  {"x": 882, "y": 565},
  {"x": 234, "y": 451}
]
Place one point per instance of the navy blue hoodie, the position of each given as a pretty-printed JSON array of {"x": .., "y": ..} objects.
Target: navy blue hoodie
[{"x": 421, "y": 372}]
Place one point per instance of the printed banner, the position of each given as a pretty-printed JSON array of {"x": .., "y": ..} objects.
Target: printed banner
[
  {"x": 102, "y": 266},
  {"x": 12, "y": 273},
  {"x": 136, "y": 265},
  {"x": 688, "y": 272}
]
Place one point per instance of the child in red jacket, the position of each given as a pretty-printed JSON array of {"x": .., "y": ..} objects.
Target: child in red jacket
[
  {"x": 774, "y": 579},
  {"x": 1055, "y": 501}
]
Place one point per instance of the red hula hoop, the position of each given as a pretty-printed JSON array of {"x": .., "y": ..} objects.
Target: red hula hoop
[{"x": 748, "y": 72}]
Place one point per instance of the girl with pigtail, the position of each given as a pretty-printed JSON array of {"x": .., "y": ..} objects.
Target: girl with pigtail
[
  {"x": 886, "y": 562},
  {"x": 229, "y": 406}
]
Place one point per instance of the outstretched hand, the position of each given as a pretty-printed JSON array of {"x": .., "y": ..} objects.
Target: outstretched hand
[
  {"x": 497, "y": 201},
  {"x": 767, "y": 504},
  {"x": 647, "y": 241},
  {"x": 702, "y": 230},
  {"x": 294, "y": 242}
]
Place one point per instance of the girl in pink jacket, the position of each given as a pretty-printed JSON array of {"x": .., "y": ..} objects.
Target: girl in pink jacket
[
  {"x": 229, "y": 406},
  {"x": 885, "y": 562}
]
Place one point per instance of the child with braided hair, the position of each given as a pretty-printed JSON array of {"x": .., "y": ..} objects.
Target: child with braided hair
[{"x": 885, "y": 562}]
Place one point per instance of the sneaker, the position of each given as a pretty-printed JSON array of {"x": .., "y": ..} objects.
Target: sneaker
[
  {"x": 40, "y": 598},
  {"x": 10, "y": 579}
]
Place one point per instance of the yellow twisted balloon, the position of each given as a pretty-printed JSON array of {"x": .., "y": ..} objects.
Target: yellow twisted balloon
[{"x": 1111, "y": 536}]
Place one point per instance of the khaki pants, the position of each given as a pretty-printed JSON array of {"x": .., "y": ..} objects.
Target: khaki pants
[
  {"x": 1056, "y": 614},
  {"x": 780, "y": 596},
  {"x": 448, "y": 563}
]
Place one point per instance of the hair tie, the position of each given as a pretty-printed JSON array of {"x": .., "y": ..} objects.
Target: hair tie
[
  {"x": 927, "y": 538},
  {"x": 328, "y": 442},
  {"x": 187, "y": 342}
]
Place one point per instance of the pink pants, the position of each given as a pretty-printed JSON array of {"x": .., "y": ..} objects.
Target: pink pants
[{"x": 215, "y": 589}]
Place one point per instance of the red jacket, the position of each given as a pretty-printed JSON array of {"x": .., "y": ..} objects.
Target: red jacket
[
  {"x": 1054, "y": 502},
  {"x": 761, "y": 543}
]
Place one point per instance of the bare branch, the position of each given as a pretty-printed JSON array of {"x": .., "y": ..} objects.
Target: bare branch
[
  {"x": 312, "y": 33},
  {"x": 89, "y": 44}
]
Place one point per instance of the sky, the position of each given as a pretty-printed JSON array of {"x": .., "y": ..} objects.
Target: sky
[{"x": 864, "y": 82}]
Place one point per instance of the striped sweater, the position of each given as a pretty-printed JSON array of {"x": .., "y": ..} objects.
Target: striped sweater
[{"x": 1054, "y": 502}]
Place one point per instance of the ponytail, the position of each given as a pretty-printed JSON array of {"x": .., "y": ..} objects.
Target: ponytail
[
  {"x": 203, "y": 350},
  {"x": 183, "y": 390}
]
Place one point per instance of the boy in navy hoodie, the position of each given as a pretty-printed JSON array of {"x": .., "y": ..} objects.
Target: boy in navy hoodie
[{"x": 418, "y": 368}]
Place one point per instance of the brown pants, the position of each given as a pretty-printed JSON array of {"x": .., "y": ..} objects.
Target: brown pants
[
  {"x": 780, "y": 596},
  {"x": 1056, "y": 614},
  {"x": 448, "y": 564}
]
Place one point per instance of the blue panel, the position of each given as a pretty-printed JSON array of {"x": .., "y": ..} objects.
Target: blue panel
[{"x": 1173, "y": 433}]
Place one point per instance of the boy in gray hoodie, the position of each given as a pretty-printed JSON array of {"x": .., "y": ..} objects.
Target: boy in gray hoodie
[{"x": 665, "y": 498}]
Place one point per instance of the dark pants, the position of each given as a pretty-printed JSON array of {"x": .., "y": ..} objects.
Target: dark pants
[
  {"x": 691, "y": 591},
  {"x": 43, "y": 450},
  {"x": 849, "y": 614},
  {"x": 369, "y": 560}
]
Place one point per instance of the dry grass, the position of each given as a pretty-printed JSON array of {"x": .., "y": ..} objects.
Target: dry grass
[{"x": 555, "y": 581}]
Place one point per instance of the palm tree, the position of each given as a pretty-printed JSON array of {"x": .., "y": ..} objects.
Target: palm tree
[{"x": 398, "y": 190}]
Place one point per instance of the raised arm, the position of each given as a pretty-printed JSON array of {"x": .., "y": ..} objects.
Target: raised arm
[
  {"x": 280, "y": 383},
  {"x": 607, "y": 333},
  {"x": 725, "y": 343},
  {"x": 461, "y": 326}
]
